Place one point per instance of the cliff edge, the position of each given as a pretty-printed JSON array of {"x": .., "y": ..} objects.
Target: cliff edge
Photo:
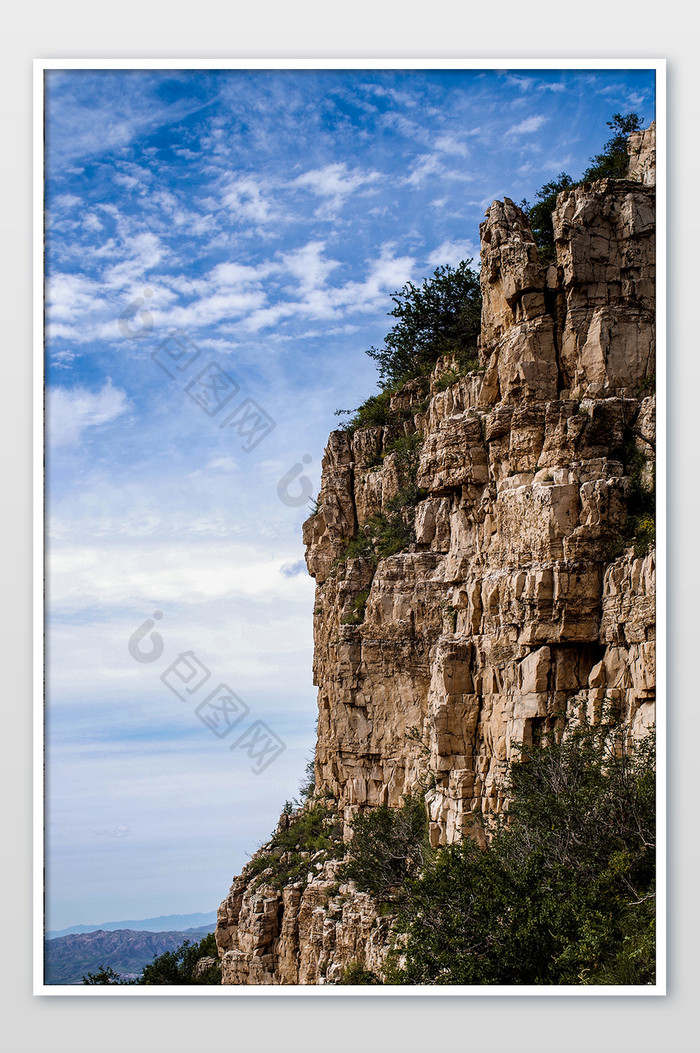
[{"x": 483, "y": 571}]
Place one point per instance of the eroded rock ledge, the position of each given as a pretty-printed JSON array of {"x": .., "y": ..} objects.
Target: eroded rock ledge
[{"x": 522, "y": 599}]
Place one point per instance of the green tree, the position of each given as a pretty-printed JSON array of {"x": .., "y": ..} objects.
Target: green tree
[
  {"x": 439, "y": 317},
  {"x": 540, "y": 215},
  {"x": 564, "y": 892},
  {"x": 356, "y": 974},
  {"x": 103, "y": 976},
  {"x": 388, "y": 847},
  {"x": 177, "y": 966},
  {"x": 613, "y": 162}
]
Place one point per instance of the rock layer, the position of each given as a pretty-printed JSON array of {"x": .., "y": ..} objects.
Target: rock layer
[{"x": 522, "y": 601}]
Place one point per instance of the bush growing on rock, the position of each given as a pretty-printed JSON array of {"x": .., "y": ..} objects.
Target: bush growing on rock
[
  {"x": 312, "y": 835},
  {"x": 565, "y": 891},
  {"x": 442, "y": 316},
  {"x": 357, "y": 974},
  {"x": 388, "y": 847},
  {"x": 611, "y": 163}
]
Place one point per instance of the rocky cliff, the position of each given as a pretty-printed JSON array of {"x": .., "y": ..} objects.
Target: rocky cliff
[{"x": 521, "y": 592}]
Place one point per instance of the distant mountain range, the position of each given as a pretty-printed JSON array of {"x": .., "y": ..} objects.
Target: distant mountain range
[
  {"x": 164, "y": 923},
  {"x": 127, "y": 951}
]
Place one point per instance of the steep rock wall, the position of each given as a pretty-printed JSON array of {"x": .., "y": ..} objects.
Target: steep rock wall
[{"x": 522, "y": 600}]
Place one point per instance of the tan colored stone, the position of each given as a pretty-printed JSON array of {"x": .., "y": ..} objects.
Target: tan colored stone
[
  {"x": 508, "y": 610},
  {"x": 641, "y": 146}
]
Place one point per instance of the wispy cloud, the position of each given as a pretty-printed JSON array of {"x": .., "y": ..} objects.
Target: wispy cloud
[
  {"x": 528, "y": 126},
  {"x": 334, "y": 182},
  {"x": 71, "y": 411},
  {"x": 450, "y": 144}
]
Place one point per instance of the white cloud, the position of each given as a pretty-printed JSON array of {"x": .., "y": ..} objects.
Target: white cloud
[
  {"x": 144, "y": 253},
  {"x": 320, "y": 301},
  {"x": 69, "y": 296},
  {"x": 125, "y": 180},
  {"x": 453, "y": 252},
  {"x": 335, "y": 182},
  {"x": 308, "y": 265},
  {"x": 451, "y": 145},
  {"x": 66, "y": 201},
  {"x": 92, "y": 222},
  {"x": 530, "y": 124},
  {"x": 245, "y": 198},
  {"x": 216, "y": 307},
  {"x": 62, "y": 359},
  {"x": 230, "y": 273},
  {"x": 522, "y": 83},
  {"x": 428, "y": 165},
  {"x": 166, "y": 573},
  {"x": 220, "y": 464},
  {"x": 71, "y": 410}
]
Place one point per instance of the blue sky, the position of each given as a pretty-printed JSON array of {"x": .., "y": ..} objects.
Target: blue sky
[{"x": 265, "y": 218}]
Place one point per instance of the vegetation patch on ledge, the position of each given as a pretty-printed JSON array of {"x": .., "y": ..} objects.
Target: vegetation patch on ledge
[
  {"x": 440, "y": 317},
  {"x": 564, "y": 893},
  {"x": 611, "y": 163},
  {"x": 314, "y": 835}
]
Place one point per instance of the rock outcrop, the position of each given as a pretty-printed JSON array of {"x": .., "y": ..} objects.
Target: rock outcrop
[
  {"x": 641, "y": 147},
  {"x": 522, "y": 599}
]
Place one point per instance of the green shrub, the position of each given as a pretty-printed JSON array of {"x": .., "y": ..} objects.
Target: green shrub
[
  {"x": 640, "y": 528},
  {"x": 356, "y": 973},
  {"x": 612, "y": 163},
  {"x": 381, "y": 536},
  {"x": 407, "y": 497},
  {"x": 540, "y": 215},
  {"x": 307, "y": 787},
  {"x": 441, "y": 316},
  {"x": 564, "y": 892},
  {"x": 358, "y": 609},
  {"x": 372, "y": 413},
  {"x": 177, "y": 967},
  {"x": 407, "y": 450},
  {"x": 388, "y": 847},
  {"x": 392, "y": 530},
  {"x": 313, "y": 832},
  {"x": 174, "y": 967},
  {"x": 104, "y": 976},
  {"x": 448, "y": 377}
]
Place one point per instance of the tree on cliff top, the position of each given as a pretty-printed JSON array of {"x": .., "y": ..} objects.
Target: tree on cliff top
[
  {"x": 540, "y": 215},
  {"x": 611, "y": 163},
  {"x": 440, "y": 317}
]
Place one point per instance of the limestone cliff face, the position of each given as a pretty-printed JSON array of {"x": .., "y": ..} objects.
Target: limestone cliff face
[{"x": 522, "y": 599}]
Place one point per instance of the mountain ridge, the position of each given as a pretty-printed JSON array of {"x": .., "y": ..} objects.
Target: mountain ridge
[
  {"x": 127, "y": 951},
  {"x": 161, "y": 923}
]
